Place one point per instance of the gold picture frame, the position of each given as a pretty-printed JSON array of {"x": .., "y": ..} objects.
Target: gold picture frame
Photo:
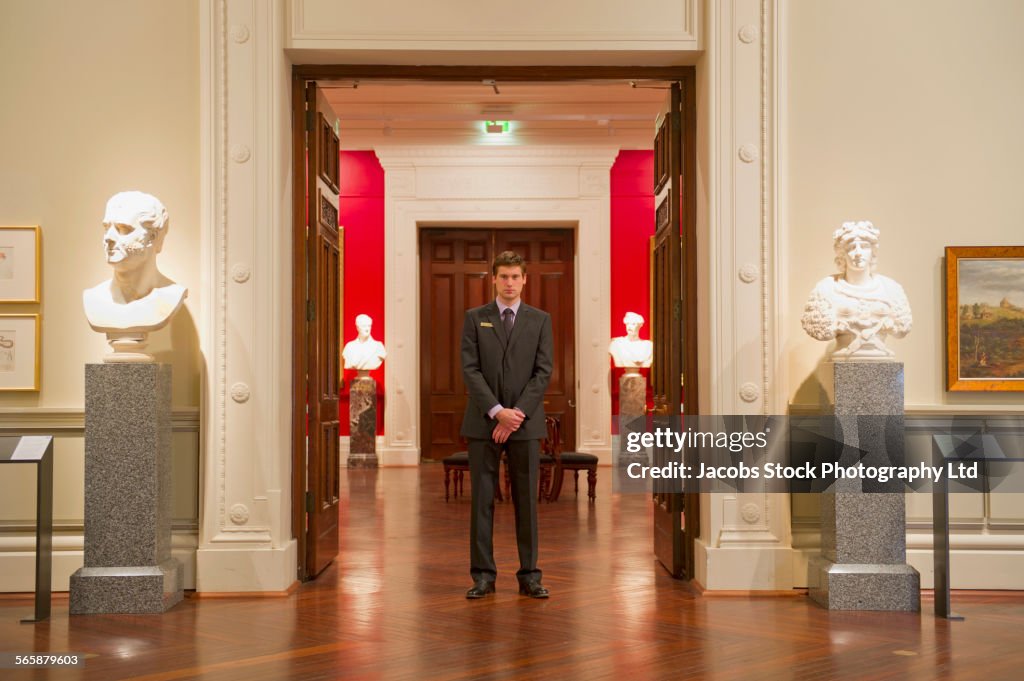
[
  {"x": 985, "y": 318},
  {"x": 20, "y": 339},
  {"x": 20, "y": 257}
]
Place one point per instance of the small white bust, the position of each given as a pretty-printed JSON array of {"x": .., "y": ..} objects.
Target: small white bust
[
  {"x": 631, "y": 351},
  {"x": 139, "y": 298},
  {"x": 364, "y": 353},
  {"x": 857, "y": 307}
]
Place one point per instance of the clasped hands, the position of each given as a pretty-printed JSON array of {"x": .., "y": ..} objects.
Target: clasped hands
[{"x": 509, "y": 421}]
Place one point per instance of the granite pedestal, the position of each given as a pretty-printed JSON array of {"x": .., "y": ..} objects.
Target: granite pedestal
[
  {"x": 362, "y": 415},
  {"x": 863, "y": 524},
  {"x": 128, "y": 566}
]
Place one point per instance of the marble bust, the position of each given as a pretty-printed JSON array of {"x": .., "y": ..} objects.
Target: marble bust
[
  {"x": 138, "y": 298},
  {"x": 363, "y": 353},
  {"x": 631, "y": 351},
  {"x": 857, "y": 307}
]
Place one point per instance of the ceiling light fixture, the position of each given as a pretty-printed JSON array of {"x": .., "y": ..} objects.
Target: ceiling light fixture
[{"x": 496, "y": 127}]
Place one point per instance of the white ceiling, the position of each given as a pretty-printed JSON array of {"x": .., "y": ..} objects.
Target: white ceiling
[{"x": 376, "y": 114}]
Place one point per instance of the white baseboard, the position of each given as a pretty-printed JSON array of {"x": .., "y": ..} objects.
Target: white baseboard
[
  {"x": 18, "y": 560},
  {"x": 972, "y": 568},
  {"x": 239, "y": 569},
  {"x": 744, "y": 568}
]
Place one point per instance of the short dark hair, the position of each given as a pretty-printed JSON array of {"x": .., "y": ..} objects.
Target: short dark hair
[{"x": 508, "y": 259}]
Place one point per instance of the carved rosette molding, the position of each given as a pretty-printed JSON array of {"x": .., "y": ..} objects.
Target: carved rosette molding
[
  {"x": 239, "y": 514},
  {"x": 240, "y": 153},
  {"x": 240, "y": 33},
  {"x": 240, "y": 392},
  {"x": 747, "y": 33},
  {"x": 749, "y": 392},
  {"x": 240, "y": 273},
  {"x": 748, "y": 273},
  {"x": 748, "y": 153}
]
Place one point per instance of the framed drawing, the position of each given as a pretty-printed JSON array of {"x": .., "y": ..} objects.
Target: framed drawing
[
  {"x": 19, "y": 264},
  {"x": 985, "y": 318},
  {"x": 19, "y": 352}
]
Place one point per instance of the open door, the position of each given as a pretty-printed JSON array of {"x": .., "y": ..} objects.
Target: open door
[
  {"x": 317, "y": 349},
  {"x": 673, "y": 329}
]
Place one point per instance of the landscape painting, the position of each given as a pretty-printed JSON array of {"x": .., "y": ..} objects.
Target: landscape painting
[{"x": 985, "y": 318}]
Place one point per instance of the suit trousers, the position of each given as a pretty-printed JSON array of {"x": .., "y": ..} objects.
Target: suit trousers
[{"x": 484, "y": 464}]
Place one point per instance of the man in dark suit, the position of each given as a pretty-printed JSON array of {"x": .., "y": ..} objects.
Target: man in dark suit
[{"x": 506, "y": 361}]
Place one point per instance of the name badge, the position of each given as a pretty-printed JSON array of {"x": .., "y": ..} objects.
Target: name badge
[{"x": 487, "y": 324}]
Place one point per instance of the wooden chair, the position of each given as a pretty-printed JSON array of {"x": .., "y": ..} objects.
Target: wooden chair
[
  {"x": 547, "y": 465},
  {"x": 455, "y": 468},
  {"x": 457, "y": 465},
  {"x": 573, "y": 461}
]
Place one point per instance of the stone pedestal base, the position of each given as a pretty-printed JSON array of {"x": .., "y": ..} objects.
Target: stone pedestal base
[
  {"x": 128, "y": 566},
  {"x": 151, "y": 589},
  {"x": 632, "y": 410},
  {"x": 863, "y": 523},
  {"x": 632, "y": 395},
  {"x": 848, "y": 586},
  {"x": 362, "y": 421}
]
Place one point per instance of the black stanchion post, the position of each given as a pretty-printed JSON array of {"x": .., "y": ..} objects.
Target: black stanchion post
[
  {"x": 940, "y": 536},
  {"x": 38, "y": 450}
]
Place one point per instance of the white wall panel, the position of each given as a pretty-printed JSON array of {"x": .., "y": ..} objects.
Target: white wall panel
[{"x": 467, "y": 24}]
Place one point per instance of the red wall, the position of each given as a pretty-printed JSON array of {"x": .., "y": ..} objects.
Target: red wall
[
  {"x": 361, "y": 214},
  {"x": 632, "y": 225}
]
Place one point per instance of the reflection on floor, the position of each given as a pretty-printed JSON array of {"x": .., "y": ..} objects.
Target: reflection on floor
[{"x": 392, "y": 607}]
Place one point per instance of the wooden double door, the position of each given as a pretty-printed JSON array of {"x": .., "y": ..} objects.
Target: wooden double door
[{"x": 455, "y": 275}]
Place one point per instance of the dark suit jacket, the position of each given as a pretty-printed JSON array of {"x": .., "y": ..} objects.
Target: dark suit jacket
[{"x": 513, "y": 372}]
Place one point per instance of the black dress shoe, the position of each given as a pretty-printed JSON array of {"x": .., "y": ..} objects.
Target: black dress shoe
[
  {"x": 480, "y": 589},
  {"x": 533, "y": 590}
]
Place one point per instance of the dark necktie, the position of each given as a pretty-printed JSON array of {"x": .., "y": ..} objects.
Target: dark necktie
[{"x": 508, "y": 321}]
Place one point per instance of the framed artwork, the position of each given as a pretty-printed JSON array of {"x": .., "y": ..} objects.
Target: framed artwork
[
  {"x": 985, "y": 318},
  {"x": 19, "y": 264},
  {"x": 19, "y": 352}
]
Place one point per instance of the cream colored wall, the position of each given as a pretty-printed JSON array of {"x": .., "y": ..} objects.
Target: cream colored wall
[
  {"x": 98, "y": 97},
  {"x": 907, "y": 114}
]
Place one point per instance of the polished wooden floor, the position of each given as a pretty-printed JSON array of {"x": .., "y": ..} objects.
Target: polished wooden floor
[{"x": 392, "y": 607}]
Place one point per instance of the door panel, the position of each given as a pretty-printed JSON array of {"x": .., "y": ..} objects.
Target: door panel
[
  {"x": 550, "y": 285},
  {"x": 323, "y": 370},
  {"x": 455, "y": 275},
  {"x": 674, "y": 295}
]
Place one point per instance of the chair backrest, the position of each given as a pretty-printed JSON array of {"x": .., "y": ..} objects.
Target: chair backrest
[{"x": 552, "y": 445}]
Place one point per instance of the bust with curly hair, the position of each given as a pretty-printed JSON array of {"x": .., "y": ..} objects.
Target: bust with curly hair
[{"x": 857, "y": 307}]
